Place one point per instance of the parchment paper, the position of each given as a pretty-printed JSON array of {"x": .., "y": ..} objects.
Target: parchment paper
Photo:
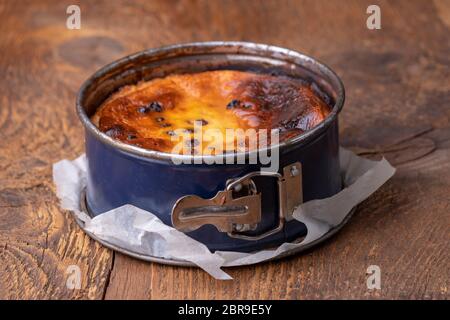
[{"x": 142, "y": 232}]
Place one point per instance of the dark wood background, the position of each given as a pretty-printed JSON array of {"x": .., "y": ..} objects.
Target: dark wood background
[{"x": 398, "y": 105}]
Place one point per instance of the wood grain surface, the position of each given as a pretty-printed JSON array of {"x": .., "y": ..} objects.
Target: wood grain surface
[{"x": 398, "y": 106}]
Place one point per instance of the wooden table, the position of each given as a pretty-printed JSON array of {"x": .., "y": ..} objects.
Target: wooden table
[{"x": 398, "y": 106}]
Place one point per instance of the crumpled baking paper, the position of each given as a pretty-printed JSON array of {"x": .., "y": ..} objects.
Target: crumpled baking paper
[{"x": 142, "y": 232}]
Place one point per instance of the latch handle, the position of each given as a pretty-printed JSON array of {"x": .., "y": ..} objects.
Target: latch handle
[{"x": 233, "y": 212}]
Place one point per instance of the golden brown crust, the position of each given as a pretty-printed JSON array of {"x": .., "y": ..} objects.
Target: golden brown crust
[{"x": 151, "y": 113}]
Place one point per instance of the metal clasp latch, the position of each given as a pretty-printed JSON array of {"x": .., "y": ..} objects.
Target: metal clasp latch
[{"x": 237, "y": 209}]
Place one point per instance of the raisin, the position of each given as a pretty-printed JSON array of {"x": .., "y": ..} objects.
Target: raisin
[
  {"x": 131, "y": 136},
  {"x": 192, "y": 143},
  {"x": 188, "y": 130},
  {"x": 165, "y": 125},
  {"x": 143, "y": 109},
  {"x": 233, "y": 104},
  {"x": 156, "y": 106},
  {"x": 201, "y": 122},
  {"x": 152, "y": 106},
  {"x": 289, "y": 124},
  {"x": 159, "y": 119},
  {"x": 115, "y": 131},
  {"x": 171, "y": 133}
]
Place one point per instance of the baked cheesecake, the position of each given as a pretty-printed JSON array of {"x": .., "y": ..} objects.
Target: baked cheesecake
[{"x": 158, "y": 113}]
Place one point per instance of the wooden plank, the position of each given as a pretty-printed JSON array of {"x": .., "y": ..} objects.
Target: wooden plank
[
  {"x": 38, "y": 241},
  {"x": 397, "y": 105}
]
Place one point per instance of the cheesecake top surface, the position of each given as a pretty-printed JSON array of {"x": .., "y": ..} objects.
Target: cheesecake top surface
[{"x": 198, "y": 113}]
